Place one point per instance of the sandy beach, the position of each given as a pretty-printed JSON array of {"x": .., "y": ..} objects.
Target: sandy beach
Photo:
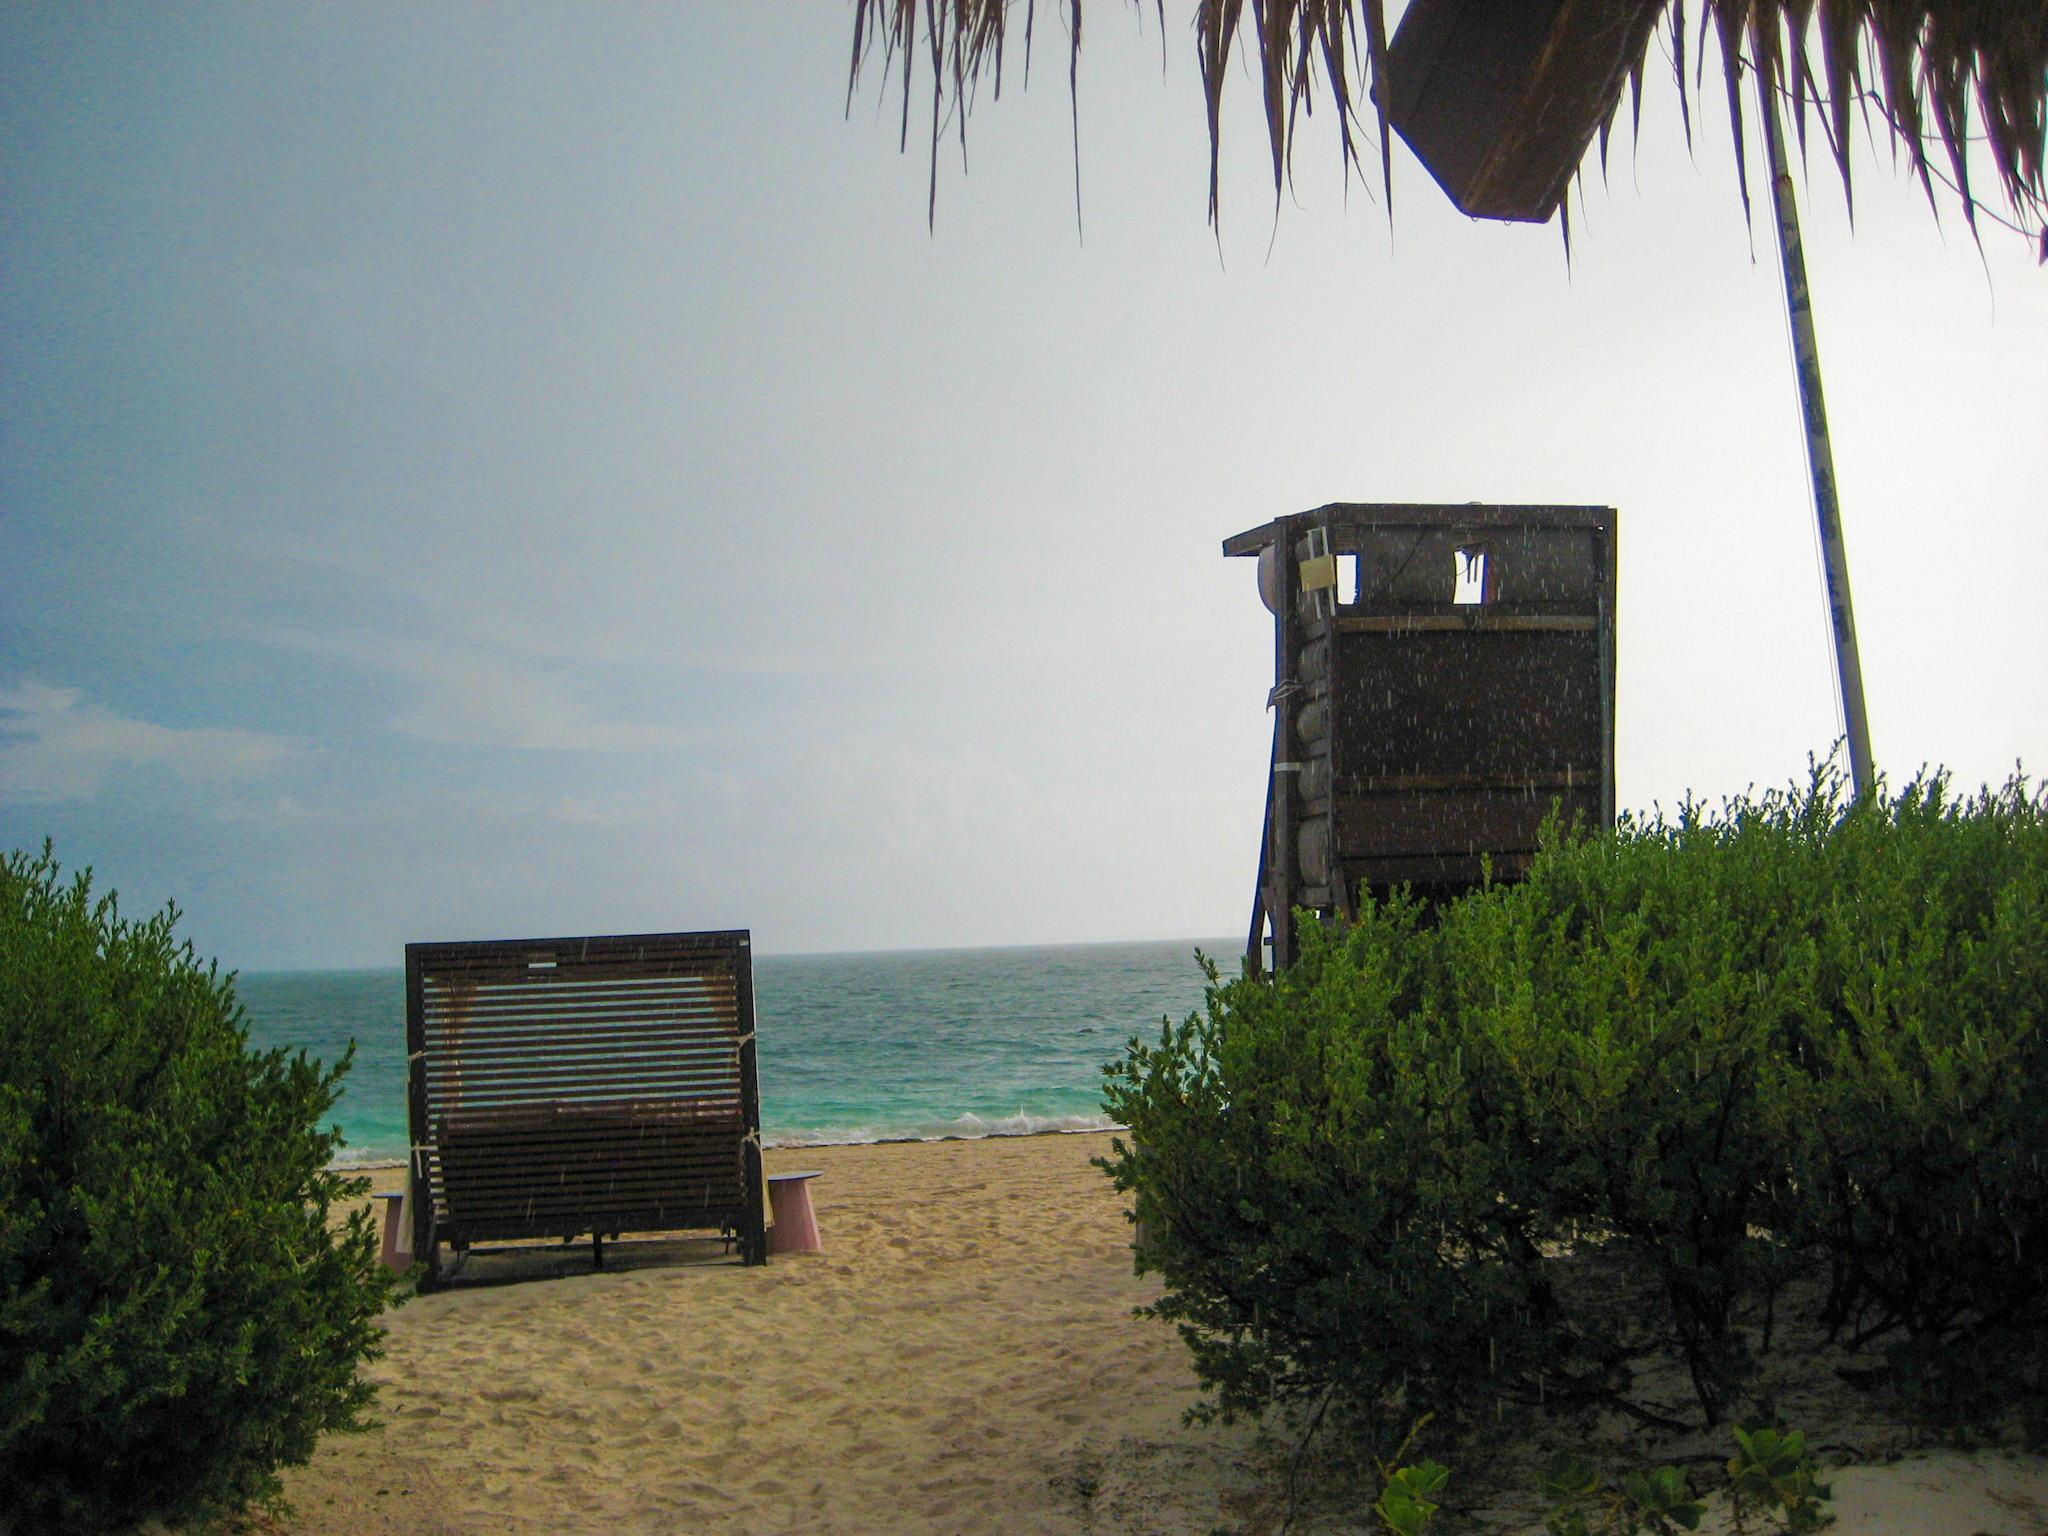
[{"x": 961, "y": 1359}]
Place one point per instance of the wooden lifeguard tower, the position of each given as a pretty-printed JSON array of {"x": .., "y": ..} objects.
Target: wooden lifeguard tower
[{"x": 1443, "y": 677}]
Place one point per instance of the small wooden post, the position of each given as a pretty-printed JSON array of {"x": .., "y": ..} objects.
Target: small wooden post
[
  {"x": 754, "y": 1240},
  {"x": 1819, "y": 454},
  {"x": 426, "y": 1249}
]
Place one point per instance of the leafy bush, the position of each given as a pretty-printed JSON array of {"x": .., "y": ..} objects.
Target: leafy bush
[
  {"x": 1927, "y": 1109},
  {"x": 176, "y": 1320},
  {"x": 1773, "y": 1472},
  {"x": 1502, "y": 1155},
  {"x": 1328, "y": 1180}
]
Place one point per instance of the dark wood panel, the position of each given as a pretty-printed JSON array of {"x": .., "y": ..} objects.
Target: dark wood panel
[
  {"x": 1463, "y": 702},
  {"x": 1499, "y": 99},
  {"x": 1460, "y": 822}
]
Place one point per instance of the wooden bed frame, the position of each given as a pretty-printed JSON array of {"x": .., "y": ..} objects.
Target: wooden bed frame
[{"x": 602, "y": 1085}]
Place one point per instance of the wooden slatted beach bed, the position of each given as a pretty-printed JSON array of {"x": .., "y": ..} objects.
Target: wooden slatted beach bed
[{"x": 600, "y": 1085}]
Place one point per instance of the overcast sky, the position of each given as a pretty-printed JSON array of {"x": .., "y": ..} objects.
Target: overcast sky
[{"x": 492, "y": 470}]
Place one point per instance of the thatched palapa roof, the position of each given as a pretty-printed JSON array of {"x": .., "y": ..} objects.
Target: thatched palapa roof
[{"x": 1934, "y": 78}]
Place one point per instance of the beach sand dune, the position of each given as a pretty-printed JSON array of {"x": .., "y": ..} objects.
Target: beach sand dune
[{"x": 961, "y": 1358}]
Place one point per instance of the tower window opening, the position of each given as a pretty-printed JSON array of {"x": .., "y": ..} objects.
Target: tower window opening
[{"x": 1470, "y": 567}]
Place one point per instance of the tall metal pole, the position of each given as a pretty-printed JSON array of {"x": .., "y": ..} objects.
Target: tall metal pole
[{"x": 1819, "y": 456}]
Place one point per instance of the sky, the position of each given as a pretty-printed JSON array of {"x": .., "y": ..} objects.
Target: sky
[{"x": 505, "y": 470}]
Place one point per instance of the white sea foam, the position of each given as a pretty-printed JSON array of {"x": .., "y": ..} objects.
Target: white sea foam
[
  {"x": 963, "y": 1128},
  {"x": 353, "y": 1158}
]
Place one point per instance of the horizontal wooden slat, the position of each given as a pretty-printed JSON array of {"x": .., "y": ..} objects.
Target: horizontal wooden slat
[
  {"x": 579, "y": 990},
  {"x": 650, "y": 1178},
  {"x": 578, "y": 1014},
  {"x": 593, "y": 1065},
  {"x": 680, "y": 1186},
  {"x": 1571, "y": 778},
  {"x": 644, "y": 1176},
  {"x": 1479, "y": 620},
  {"x": 584, "y": 1090},
  {"x": 696, "y": 1186},
  {"x": 514, "y": 1018},
  {"x": 610, "y": 980},
  {"x": 648, "y": 1034},
  {"x": 615, "y": 978},
  {"x": 517, "y": 1026},
  {"x": 697, "y": 1060},
  {"x": 669, "y": 1083},
  {"x": 649, "y": 1045},
  {"x": 453, "y": 1101},
  {"x": 504, "y": 1014},
  {"x": 454, "y": 1045},
  {"x": 694, "y": 1054},
  {"x": 484, "y": 1168},
  {"x": 565, "y": 999},
  {"x": 646, "y": 1112},
  {"x": 462, "y": 1134},
  {"x": 618, "y": 1067},
  {"x": 454, "y": 1055},
  {"x": 625, "y": 958},
  {"x": 472, "y": 1207},
  {"x": 502, "y": 1115}
]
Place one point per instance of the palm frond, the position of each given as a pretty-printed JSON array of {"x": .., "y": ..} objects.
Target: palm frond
[{"x": 1937, "y": 75}]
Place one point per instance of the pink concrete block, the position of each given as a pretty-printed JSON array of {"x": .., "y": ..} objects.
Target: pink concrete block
[
  {"x": 397, "y": 1255},
  {"x": 796, "y": 1226}
]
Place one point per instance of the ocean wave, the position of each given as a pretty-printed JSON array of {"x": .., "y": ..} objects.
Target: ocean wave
[
  {"x": 967, "y": 1127},
  {"x": 368, "y": 1157}
]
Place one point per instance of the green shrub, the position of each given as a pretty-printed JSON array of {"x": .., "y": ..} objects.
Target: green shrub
[
  {"x": 1505, "y": 1154},
  {"x": 1330, "y": 1182},
  {"x": 1929, "y": 1105},
  {"x": 176, "y": 1320},
  {"x": 1659, "y": 975}
]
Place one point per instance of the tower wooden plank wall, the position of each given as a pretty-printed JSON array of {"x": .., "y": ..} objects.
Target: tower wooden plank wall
[{"x": 1443, "y": 676}]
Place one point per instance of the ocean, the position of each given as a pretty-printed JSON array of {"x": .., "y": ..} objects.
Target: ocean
[{"x": 861, "y": 1047}]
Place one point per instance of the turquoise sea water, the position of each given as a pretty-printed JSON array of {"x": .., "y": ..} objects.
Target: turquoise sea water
[{"x": 959, "y": 1042}]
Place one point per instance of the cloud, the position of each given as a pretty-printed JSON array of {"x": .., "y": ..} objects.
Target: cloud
[
  {"x": 55, "y": 746},
  {"x": 472, "y": 699},
  {"x": 916, "y": 803},
  {"x": 474, "y": 695}
]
